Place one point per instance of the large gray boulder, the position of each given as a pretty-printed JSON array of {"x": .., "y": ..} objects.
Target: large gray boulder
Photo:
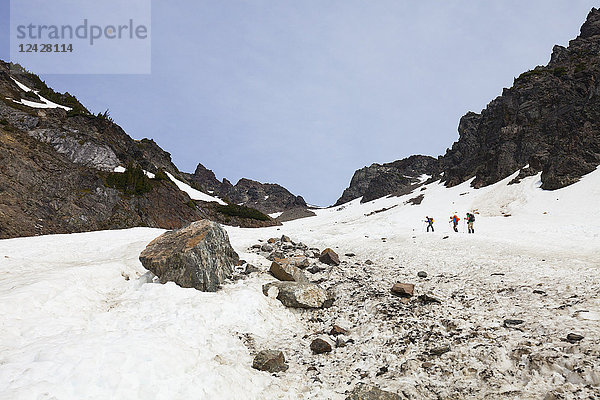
[
  {"x": 299, "y": 295},
  {"x": 197, "y": 256}
]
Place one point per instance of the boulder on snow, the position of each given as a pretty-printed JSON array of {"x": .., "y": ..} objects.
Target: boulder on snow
[
  {"x": 403, "y": 289},
  {"x": 366, "y": 392},
  {"x": 285, "y": 269},
  {"x": 298, "y": 295},
  {"x": 270, "y": 361},
  {"x": 196, "y": 256},
  {"x": 329, "y": 257},
  {"x": 574, "y": 337},
  {"x": 267, "y": 248},
  {"x": 250, "y": 269},
  {"x": 338, "y": 330},
  {"x": 320, "y": 346},
  {"x": 285, "y": 239}
]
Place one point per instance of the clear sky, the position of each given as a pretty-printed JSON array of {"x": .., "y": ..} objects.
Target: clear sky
[{"x": 304, "y": 92}]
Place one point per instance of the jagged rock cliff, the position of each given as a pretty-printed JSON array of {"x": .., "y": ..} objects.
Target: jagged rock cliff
[
  {"x": 549, "y": 120},
  {"x": 265, "y": 197}
]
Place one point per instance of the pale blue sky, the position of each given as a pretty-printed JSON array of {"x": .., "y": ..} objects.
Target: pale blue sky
[{"x": 302, "y": 93}]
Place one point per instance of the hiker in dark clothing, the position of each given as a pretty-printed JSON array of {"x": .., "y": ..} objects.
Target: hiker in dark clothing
[
  {"x": 429, "y": 224},
  {"x": 470, "y": 222}
]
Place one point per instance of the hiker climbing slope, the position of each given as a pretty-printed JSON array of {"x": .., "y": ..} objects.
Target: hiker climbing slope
[
  {"x": 454, "y": 219},
  {"x": 470, "y": 222},
  {"x": 429, "y": 222}
]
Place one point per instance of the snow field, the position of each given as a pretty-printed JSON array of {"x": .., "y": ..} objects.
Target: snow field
[
  {"x": 74, "y": 327},
  {"x": 78, "y": 322}
]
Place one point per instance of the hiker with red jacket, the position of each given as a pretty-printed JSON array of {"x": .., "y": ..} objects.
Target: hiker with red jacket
[{"x": 454, "y": 219}]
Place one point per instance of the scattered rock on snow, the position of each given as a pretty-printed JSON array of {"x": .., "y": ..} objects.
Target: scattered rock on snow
[
  {"x": 574, "y": 337},
  {"x": 251, "y": 269},
  {"x": 426, "y": 299},
  {"x": 267, "y": 248},
  {"x": 270, "y": 361},
  {"x": 366, "y": 392},
  {"x": 275, "y": 254},
  {"x": 403, "y": 289},
  {"x": 329, "y": 257},
  {"x": 338, "y": 330},
  {"x": 198, "y": 255},
  {"x": 285, "y": 239},
  {"x": 438, "y": 351},
  {"x": 422, "y": 274},
  {"x": 369, "y": 262},
  {"x": 299, "y": 295},
  {"x": 320, "y": 346},
  {"x": 512, "y": 323},
  {"x": 285, "y": 270},
  {"x": 315, "y": 269}
]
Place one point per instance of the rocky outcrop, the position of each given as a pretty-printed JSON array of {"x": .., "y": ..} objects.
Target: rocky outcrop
[
  {"x": 549, "y": 120},
  {"x": 399, "y": 177},
  {"x": 198, "y": 256},
  {"x": 265, "y": 197}
]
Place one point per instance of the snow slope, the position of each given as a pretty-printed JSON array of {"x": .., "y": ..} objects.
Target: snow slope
[
  {"x": 74, "y": 327},
  {"x": 79, "y": 322},
  {"x": 193, "y": 193},
  {"x": 45, "y": 102}
]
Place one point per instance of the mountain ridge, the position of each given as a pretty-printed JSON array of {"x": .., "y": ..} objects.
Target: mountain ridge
[
  {"x": 59, "y": 163},
  {"x": 548, "y": 121}
]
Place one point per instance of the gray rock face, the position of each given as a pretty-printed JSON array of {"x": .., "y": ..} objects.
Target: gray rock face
[
  {"x": 198, "y": 255},
  {"x": 366, "y": 392},
  {"x": 398, "y": 177},
  {"x": 549, "y": 119},
  {"x": 270, "y": 360},
  {"x": 299, "y": 295},
  {"x": 84, "y": 153}
]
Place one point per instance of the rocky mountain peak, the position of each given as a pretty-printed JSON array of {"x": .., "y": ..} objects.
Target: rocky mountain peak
[
  {"x": 266, "y": 197},
  {"x": 591, "y": 27}
]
